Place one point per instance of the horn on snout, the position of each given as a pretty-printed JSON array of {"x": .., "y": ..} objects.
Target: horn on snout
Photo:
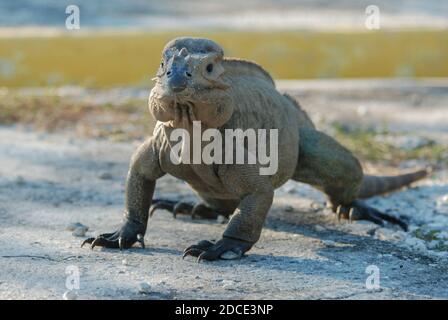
[{"x": 183, "y": 52}]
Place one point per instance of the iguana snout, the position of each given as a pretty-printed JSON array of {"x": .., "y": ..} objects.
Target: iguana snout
[{"x": 178, "y": 72}]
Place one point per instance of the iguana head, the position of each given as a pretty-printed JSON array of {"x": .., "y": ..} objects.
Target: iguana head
[{"x": 190, "y": 85}]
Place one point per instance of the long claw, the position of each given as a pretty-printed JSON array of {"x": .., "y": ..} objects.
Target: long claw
[
  {"x": 192, "y": 252},
  {"x": 200, "y": 257},
  {"x": 182, "y": 208},
  {"x": 339, "y": 213},
  {"x": 98, "y": 241},
  {"x": 165, "y": 205},
  {"x": 350, "y": 215},
  {"x": 120, "y": 243},
  {"x": 89, "y": 241}
]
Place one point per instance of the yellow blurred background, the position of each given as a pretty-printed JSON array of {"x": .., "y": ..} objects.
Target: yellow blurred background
[
  {"x": 103, "y": 60},
  {"x": 119, "y": 43}
]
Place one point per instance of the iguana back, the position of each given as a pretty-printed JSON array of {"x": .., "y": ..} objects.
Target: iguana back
[{"x": 240, "y": 67}]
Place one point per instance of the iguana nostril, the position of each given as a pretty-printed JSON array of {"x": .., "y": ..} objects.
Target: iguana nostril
[
  {"x": 168, "y": 73},
  {"x": 188, "y": 74}
]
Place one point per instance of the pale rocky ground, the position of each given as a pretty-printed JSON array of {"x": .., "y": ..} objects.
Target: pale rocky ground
[{"x": 48, "y": 181}]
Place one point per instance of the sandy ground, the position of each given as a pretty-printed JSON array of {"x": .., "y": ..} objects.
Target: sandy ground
[{"x": 48, "y": 181}]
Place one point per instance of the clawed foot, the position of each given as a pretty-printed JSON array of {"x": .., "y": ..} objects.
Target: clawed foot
[
  {"x": 124, "y": 238},
  {"x": 199, "y": 210},
  {"x": 358, "y": 210},
  {"x": 226, "y": 248}
]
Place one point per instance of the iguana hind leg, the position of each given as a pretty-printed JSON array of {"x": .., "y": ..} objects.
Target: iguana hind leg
[{"x": 331, "y": 168}]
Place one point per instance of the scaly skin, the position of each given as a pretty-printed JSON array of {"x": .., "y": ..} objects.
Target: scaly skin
[{"x": 195, "y": 82}]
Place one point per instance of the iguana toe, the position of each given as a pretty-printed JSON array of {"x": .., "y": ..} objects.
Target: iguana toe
[
  {"x": 163, "y": 204},
  {"x": 226, "y": 248},
  {"x": 129, "y": 233},
  {"x": 196, "y": 249},
  {"x": 111, "y": 240},
  {"x": 175, "y": 207},
  {"x": 199, "y": 210},
  {"x": 98, "y": 241}
]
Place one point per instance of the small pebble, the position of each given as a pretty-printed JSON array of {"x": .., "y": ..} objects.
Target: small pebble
[
  {"x": 105, "y": 176},
  {"x": 288, "y": 209},
  {"x": 361, "y": 111},
  {"x": 74, "y": 225},
  {"x": 319, "y": 228},
  {"x": 442, "y": 204},
  {"x": 70, "y": 295},
  {"x": 20, "y": 181},
  {"x": 433, "y": 244},
  {"x": 329, "y": 243},
  {"x": 228, "y": 284},
  {"x": 221, "y": 219},
  {"x": 416, "y": 245},
  {"x": 124, "y": 262},
  {"x": 79, "y": 232},
  {"x": 144, "y": 288}
]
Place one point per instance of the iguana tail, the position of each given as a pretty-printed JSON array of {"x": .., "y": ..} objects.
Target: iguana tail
[{"x": 375, "y": 185}]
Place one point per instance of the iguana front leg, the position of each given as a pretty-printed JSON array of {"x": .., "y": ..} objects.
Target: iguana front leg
[
  {"x": 244, "y": 228},
  {"x": 140, "y": 184}
]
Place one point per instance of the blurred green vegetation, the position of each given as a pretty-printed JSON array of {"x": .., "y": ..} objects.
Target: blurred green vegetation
[
  {"x": 124, "y": 121},
  {"x": 365, "y": 143}
]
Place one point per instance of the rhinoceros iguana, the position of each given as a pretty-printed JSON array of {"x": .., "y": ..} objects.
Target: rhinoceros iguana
[{"x": 195, "y": 82}]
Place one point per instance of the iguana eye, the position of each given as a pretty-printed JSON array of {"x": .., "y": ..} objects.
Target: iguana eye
[
  {"x": 209, "y": 68},
  {"x": 161, "y": 64}
]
